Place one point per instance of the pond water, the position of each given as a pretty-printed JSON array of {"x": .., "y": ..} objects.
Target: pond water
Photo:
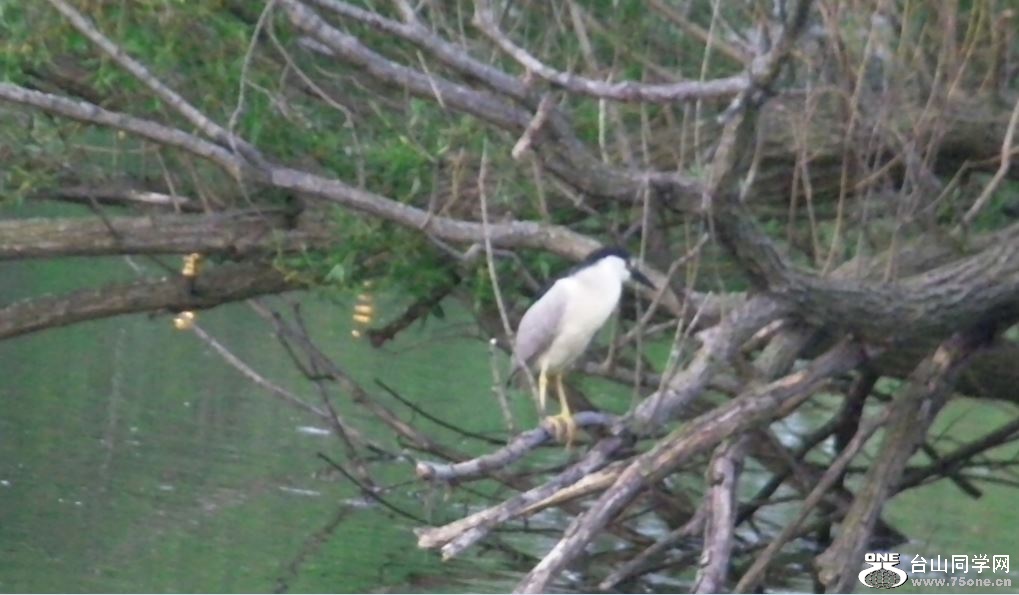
[{"x": 133, "y": 459}]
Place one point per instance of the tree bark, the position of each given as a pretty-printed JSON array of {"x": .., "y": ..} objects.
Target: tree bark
[
  {"x": 915, "y": 407},
  {"x": 216, "y": 286},
  {"x": 237, "y": 235}
]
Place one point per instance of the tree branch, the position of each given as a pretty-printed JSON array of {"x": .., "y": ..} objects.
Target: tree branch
[
  {"x": 637, "y": 563},
  {"x": 457, "y": 536},
  {"x": 121, "y": 196},
  {"x": 915, "y": 407},
  {"x": 236, "y": 235},
  {"x": 168, "y": 95},
  {"x": 216, "y": 286},
  {"x": 518, "y": 447},
  {"x": 722, "y": 476},
  {"x": 749, "y": 410},
  {"x": 569, "y": 159},
  {"x": 84, "y": 111},
  {"x": 752, "y": 577},
  {"x": 620, "y": 91},
  {"x": 963, "y": 454}
]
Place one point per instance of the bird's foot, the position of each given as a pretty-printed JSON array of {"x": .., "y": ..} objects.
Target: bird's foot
[{"x": 562, "y": 427}]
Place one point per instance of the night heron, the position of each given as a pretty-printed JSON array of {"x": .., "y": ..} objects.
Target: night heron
[{"x": 558, "y": 327}]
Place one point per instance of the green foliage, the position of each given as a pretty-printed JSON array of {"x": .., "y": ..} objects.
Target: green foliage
[
  {"x": 199, "y": 50},
  {"x": 1000, "y": 210},
  {"x": 29, "y": 170},
  {"x": 395, "y": 260}
]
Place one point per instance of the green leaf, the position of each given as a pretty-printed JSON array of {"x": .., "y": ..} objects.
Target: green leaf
[{"x": 337, "y": 275}]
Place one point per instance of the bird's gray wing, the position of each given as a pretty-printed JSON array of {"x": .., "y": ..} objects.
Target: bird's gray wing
[{"x": 539, "y": 325}]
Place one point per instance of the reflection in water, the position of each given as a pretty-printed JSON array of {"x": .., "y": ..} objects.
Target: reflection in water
[{"x": 292, "y": 569}]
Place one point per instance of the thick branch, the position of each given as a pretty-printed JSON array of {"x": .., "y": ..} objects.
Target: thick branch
[
  {"x": 216, "y": 286},
  {"x": 516, "y": 234},
  {"x": 723, "y": 476},
  {"x": 233, "y": 234},
  {"x": 757, "y": 407},
  {"x": 956, "y": 295},
  {"x": 915, "y": 407}
]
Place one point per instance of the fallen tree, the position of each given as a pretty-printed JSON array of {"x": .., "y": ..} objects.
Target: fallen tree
[{"x": 852, "y": 194}]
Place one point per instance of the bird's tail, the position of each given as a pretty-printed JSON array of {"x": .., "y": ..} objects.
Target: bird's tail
[{"x": 520, "y": 370}]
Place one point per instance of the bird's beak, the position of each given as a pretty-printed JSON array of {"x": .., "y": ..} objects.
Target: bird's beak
[{"x": 639, "y": 277}]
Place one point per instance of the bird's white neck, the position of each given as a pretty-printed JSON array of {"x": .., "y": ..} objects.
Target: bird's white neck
[{"x": 604, "y": 278}]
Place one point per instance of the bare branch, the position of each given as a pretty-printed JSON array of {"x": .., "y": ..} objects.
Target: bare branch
[
  {"x": 620, "y": 91},
  {"x": 459, "y": 535},
  {"x": 982, "y": 283},
  {"x": 635, "y": 565},
  {"x": 125, "y": 196},
  {"x": 450, "y": 54},
  {"x": 999, "y": 175},
  {"x": 736, "y": 53},
  {"x": 964, "y": 453},
  {"x": 756, "y": 407},
  {"x": 236, "y": 235},
  {"x": 569, "y": 158},
  {"x": 273, "y": 388},
  {"x": 138, "y": 70},
  {"x": 507, "y": 455},
  {"x": 484, "y": 105},
  {"x": 723, "y": 476},
  {"x": 526, "y": 140},
  {"x": 556, "y": 239},
  {"x": 84, "y": 111},
  {"x": 719, "y": 343},
  {"x": 216, "y": 286},
  {"x": 915, "y": 407},
  {"x": 321, "y": 364},
  {"x": 753, "y": 576}
]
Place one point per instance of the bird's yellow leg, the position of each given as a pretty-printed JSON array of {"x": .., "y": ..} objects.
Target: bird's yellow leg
[{"x": 565, "y": 418}]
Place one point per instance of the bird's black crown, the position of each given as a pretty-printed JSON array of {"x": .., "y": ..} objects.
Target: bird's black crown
[{"x": 601, "y": 253}]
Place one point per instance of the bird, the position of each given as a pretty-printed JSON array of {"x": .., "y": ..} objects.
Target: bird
[{"x": 558, "y": 327}]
